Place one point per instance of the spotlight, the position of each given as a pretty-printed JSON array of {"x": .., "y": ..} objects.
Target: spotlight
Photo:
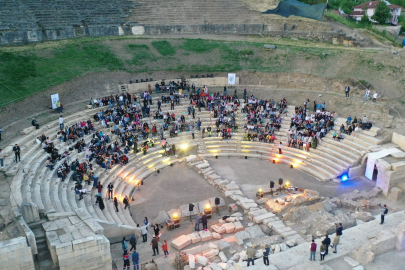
[
  {"x": 259, "y": 193},
  {"x": 184, "y": 146},
  {"x": 208, "y": 211},
  {"x": 287, "y": 184},
  {"x": 345, "y": 177}
]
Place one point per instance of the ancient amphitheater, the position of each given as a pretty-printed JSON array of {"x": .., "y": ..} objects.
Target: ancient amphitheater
[{"x": 246, "y": 192}]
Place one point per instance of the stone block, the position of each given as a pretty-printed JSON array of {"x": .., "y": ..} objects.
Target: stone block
[
  {"x": 202, "y": 166},
  {"x": 255, "y": 231},
  {"x": 229, "y": 227},
  {"x": 50, "y": 226},
  {"x": 215, "y": 266},
  {"x": 177, "y": 212},
  {"x": 223, "y": 257},
  {"x": 231, "y": 186},
  {"x": 218, "y": 229},
  {"x": 358, "y": 267},
  {"x": 229, "y": 193},
  {"x": 248, "y": 206},
  {"x": 195, "y": 237},
  {"x": 238, "y": 227},
  {"x": 203, "y": 204},
  {"x": 233, "y": 208},
  {"x": 216, "y": 235},
  {"x": 82, "y": 213},
  {"x": 385, "y": 242},
  {"x": 275, "y": 225},
  {"x": 27, "y": 130},
  {"x": 66, "y": 238},
  {"x": 261, "y": 218},
  {"x": 211, "y": 253},
  {"x": 259, "y": 212},
  {"x": 205, "y": 235},
  {"x": 191, "y": 261},
  {"x": 352, "y": 262},
  {"x": 400, "y": 233},
  {"x": 181, "y": 242},
  {"x": 63, "y": 223},
  {"x": 29, "y": 212},
  {"x": 201, "y": 260},
  {"x": 241, "y": 236},
  {"x": 395, "y": 194},
  {"x": 262, "y": 201},
  {"x": 223, "y": 245},
  {"x": 191, "y": 158}
]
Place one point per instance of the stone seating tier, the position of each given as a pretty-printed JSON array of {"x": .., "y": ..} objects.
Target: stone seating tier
[{"x": 38, "y": 184}]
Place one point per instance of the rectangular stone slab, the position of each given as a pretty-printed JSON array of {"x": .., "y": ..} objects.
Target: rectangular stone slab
[
  {"x": 205, "y": 235},
  {"x": 229, "y": 227},
  {"x": 259, "y": 219},
  {"x": 181, "y": 242}
]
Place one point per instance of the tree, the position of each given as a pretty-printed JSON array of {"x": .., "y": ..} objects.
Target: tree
[
  {"x": 365, "y": 19},
  {"x": 382, "y": 13},
  {"x": 347, "y": 6}
]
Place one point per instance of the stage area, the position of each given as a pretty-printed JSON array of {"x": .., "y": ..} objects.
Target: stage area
[{"x": 252, "y": 174}]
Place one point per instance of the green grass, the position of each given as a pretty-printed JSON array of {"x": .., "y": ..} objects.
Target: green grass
[
  {"x": 199, "y": 45},
  {"x": 164, "y": 47},
  {"x": 141, "y": 54}
]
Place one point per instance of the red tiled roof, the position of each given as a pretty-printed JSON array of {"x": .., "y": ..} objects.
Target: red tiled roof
[
  {"x": 373, "y": 4},
  {"x": 356, "y": 13}
]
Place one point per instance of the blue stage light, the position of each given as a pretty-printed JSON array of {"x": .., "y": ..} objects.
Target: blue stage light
[{"x": 345, "y": 177}]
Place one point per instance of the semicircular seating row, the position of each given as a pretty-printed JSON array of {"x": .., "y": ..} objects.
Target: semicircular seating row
[{"x": 35, "y": 183}]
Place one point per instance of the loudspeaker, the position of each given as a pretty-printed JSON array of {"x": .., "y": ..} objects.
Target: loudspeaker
[
  {"x": 158, "y": 171},
  {"x": 190, "y": 207},
  {"x": 280, "y": 181},
  {"x": 217, "y": 201},
  {"x": 271, "y": 184},
  {"x": 141, "y": 182},
  {"x": 245, "y": 157},
  {"x": 216, "y": 157}
]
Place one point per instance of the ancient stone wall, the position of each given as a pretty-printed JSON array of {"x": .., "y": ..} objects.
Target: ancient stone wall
[{"x": 16, "y": 254}]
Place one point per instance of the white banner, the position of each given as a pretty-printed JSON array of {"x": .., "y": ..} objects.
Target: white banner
[
  {"x": 54, "y": 98},
  {"x": 231, "y": 78}
]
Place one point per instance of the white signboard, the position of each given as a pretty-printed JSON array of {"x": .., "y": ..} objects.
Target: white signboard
[
  {"x": 231, "y": 78},
  {"x": 54, "y": 98}
]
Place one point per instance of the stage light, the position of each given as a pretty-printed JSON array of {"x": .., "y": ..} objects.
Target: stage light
[
  {"x": 260, "y": 190},
  {"x": 287, "y": 184},
  {"x": 345, "y": 177},
  {"x": 184, "y": 146},
  {"x": 207, "y": 207},
  {"x": 175, "y": 216},
  {"x": 279, "y": 156},
  {"x": 298, "y": 161}
]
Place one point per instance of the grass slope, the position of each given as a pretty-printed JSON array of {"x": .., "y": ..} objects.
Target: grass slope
[{"x": 30, "y": 69}]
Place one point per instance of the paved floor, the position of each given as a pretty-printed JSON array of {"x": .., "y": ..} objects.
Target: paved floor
[
  {"x": 252, "y": 174},
  {"x": 174, "y": 186}
]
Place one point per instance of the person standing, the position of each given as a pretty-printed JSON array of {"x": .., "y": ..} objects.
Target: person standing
[
  {"x": 383, "y": 212},
  {"x": 326, "y": 242},
  {"x": 135, "y": 260},
  {"x": 2, "y": 154},
  {"x": 367, "y": 95},
  {"x": 375, "y": 97},
  {"x": 110, "y": 188},
  {"x": 204, "y": 220},
  {"x": 347, "y": 91},
  {"x": 144, "y": 231},
  {"x": 126, "y": 201},
  {"x": 266, "y": 254},
  {"x": 280, "y": 146},
  {"x": 322, "y": 250},
  {"x": 116, "y": 204},
  {"x": 164, "y": 248},
  {"x": 59, "y": 107},
  {"x": 251, "y": 252},
  {"x": 126, "y": 261},
  {"x": 312, "y": 248},
  {"x": 132, "y": 241},
  {"x": 172, "y": 104},
  {"x": 155, "y": 246},
  {"x": 124, "y": 244},
  {"x": 138, "y": 232},
  {"x": 336, "y": 240},
  {"x": 197, "y": 223},
  {"x": 17, "y": 152},
  {"x": 61, "y": 125}
]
